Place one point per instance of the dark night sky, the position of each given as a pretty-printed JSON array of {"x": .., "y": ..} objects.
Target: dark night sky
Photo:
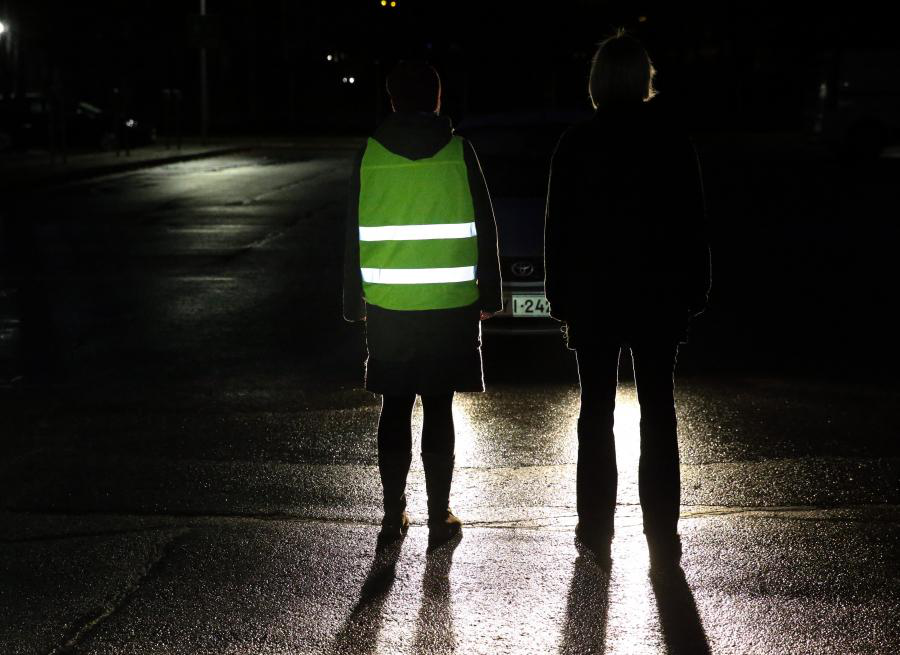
[{"x": 732, "y": 66}]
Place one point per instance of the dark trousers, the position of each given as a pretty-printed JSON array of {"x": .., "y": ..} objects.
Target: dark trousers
[
  {"x": 395, "y": 450},
  {"x": 659, "y": 477}
]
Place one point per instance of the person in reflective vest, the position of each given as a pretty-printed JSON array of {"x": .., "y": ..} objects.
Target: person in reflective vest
[{"x": 421, "y": 268}]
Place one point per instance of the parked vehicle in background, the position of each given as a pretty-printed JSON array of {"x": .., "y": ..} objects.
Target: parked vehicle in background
[
  {"x": 857, "y": 106},
  {"x": 515, "y": 152},
  {"x": 26, "y": 122}
]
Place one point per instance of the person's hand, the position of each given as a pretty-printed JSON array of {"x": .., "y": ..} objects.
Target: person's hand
[{"x": 486, "y": 315}]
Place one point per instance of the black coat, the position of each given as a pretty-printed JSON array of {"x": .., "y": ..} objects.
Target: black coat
[
  {"x": 625, "y": 244},
  {"x": 433, "y": 351}
]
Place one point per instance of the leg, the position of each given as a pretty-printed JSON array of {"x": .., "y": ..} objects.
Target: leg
[
  {"x": 596, "y": 473},
  {"x": 438, "y": 440},
  {"x": 394, "y": 456},
  {"x": 438, "y": 435},
  {"x": 659, "y": 475}
]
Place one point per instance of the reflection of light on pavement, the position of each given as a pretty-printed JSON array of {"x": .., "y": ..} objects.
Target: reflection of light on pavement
[
  {"x": 633, "y": 625},
  {"x": 508, "y": 428},
  {"x": 628, "y": 444},
  {"x": 466, "y": 438},
  {"x": 515, "y": 461},
  {"x": 514, "y": 456}
]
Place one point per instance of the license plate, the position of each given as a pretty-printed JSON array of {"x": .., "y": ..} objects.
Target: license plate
[{"x": 530, "y": 306}]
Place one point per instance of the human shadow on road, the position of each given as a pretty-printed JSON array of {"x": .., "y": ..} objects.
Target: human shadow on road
[
  {"x": 359, "y": 633},
  {"x": 434, "y": 624},
  {"x": 681, "y": 626},
  {"x": 584, "y": 630}
]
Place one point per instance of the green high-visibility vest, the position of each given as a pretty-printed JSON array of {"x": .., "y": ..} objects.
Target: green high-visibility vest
[{"x": 418, "y": 247}]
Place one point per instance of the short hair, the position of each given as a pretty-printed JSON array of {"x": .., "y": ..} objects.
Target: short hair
[
  {"x": 621, "y": 71},
  {"x": 414, "y": 85}
]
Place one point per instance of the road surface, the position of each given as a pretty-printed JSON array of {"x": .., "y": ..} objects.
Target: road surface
[{"x": 188, "y": 463}]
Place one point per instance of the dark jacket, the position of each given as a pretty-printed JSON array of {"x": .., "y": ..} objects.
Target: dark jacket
[
  {"x": 625, "y": 244},
  {"x": 432, "y": 351}
]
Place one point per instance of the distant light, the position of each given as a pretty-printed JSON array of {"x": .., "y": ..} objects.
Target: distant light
[
  {"x": 130, "y": 123},
  {"x": 642, "y": 19},
  {"x": 344, "y": 80},
  {"x": 330, "y": 58},
  {"x": 2, "y": 27},
  {"x": 352, "y": 80}
]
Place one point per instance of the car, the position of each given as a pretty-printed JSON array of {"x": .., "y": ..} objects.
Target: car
[
  {"x": 25, "y": 123},
  {"x": 515, "y": 153}
]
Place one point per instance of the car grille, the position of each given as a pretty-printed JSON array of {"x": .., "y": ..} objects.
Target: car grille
[{"x": 522, "y": 269}]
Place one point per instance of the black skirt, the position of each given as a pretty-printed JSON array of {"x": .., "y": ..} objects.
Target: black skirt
[{"x": 423, "y": 352}]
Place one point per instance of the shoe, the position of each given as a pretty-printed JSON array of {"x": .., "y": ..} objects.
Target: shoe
[
  {"x": 443, "y": 530},
  {"x": 665, "y": 551},
  {"x": 393, "y": 528},
  {"x": 595, "y": 539}
]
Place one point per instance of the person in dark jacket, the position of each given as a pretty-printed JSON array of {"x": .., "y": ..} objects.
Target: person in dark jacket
[
  {"x": 627, "y": 264},
  {"x": 421, "y": 268}
]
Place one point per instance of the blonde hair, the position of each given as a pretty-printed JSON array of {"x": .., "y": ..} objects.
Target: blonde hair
[{"x": 621, "y": 71}]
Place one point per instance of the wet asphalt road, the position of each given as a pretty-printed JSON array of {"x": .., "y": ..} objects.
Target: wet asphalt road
[{"x": 188, "y": 465}]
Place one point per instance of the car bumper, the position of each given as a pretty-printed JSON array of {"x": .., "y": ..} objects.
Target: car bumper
[
  {"x": 505, "y": 323},
  {"x": 521, "y": 326}
]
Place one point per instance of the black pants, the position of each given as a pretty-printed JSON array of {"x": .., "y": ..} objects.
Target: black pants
[
  {"x": 395, "y": 424},
  {"x": 659, "y": 477}
]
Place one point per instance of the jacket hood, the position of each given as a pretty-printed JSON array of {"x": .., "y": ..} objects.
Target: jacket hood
[{"x": 414, "y": 135}]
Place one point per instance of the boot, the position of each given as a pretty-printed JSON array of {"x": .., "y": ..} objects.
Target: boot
[
  {"x": 664, "y": 550},
  {"x": 597, "y": 539},
  {"x": 393, "y": 467},
  {"x": 442, "y": 524}
]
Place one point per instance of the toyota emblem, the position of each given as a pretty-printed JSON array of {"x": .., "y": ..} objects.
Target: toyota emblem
[{"x": 522, "y": 269}]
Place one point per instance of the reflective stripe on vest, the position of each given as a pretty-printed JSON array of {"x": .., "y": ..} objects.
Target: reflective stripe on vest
[
  {"x": 418, "y": 275},
  {"x": 418, "y": 242},
  {"x": 418, "y": 232}
]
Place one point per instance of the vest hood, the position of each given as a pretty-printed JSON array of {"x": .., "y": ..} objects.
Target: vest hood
[{"x": 414, "y": 135}]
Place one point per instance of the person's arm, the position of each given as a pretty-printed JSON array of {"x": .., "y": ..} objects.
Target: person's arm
[
  {"x": 490, "y": 288},
  {"x": 354, "y": 304},
  {"x": 556, "y": 236}
]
